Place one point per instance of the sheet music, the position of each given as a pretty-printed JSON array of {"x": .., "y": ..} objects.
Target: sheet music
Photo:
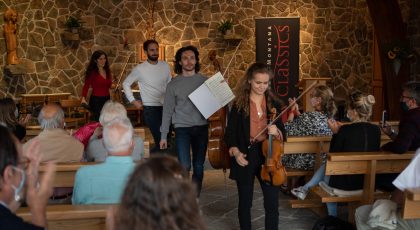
[
  {"x": 220, "y": 88},
  {"x": 212, "y": 95}
]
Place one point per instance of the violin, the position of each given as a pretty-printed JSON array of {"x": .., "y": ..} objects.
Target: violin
[{"x": 273, "y": 172}]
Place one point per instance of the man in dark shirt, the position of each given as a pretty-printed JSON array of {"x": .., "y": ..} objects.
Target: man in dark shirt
[{"x": 408, "y": 137}]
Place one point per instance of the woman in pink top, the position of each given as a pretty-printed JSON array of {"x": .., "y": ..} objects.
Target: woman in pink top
[{"x": 98, "y": 77}]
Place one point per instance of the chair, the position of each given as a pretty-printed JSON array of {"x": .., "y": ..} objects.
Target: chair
[{"x": 75, "y": 114}]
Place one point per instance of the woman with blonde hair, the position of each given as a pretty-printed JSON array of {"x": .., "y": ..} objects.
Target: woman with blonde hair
[{"x": 158, "y": 196}]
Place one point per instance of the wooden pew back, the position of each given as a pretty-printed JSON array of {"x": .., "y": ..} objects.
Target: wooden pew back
[
  {"x": 367, "y": 163},
  {"x": 411, "y": 206},
  {"x": 70, "y": 217}
]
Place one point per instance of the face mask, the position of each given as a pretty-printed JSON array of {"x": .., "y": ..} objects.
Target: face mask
[
  {"x": 16, "y": 113},
  {"x": 19, "y": 189},
  {"x": 404, "y": 106},
  {"x": 348, "y": 115},
  {"x": 314, "y": 102}
]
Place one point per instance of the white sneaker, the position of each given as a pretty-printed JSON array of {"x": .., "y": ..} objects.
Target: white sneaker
[
  {"x": 327, "y": 188},
  {"x": 300, "y": 192}
]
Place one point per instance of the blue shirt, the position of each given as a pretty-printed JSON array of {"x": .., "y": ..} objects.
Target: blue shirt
[{"x": 102, "y": 183}]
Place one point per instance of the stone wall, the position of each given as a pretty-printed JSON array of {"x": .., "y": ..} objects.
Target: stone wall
[{"x": 336, "y": 38}]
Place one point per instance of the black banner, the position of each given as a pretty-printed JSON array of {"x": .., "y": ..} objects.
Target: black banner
[{"x": 277, "y": 45}]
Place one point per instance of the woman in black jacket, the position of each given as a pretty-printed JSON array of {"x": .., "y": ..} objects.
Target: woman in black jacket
[{"x": 249, "y": 116}]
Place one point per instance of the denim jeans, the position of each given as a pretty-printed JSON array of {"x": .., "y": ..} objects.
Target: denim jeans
[
  {"x": 196, "y": 139},
  {"x": 153, "y": 119},
  {"x": 318, "y": 176}
]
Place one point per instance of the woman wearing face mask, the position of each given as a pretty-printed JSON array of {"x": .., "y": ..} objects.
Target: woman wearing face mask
[
  {"x": 19, "y": 181},
  {"x": 312, "y": 123},
  {"x": 358, "y": 136},
  {"x": 98, "y": 77},
  {"x": 9, "y": 116}
]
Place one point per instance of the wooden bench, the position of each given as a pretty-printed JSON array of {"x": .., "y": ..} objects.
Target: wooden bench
[
  {"x": 66, "y": 172},
  {"x": 70, "y": 217},
  {"x": 367, "y": 163},
  {"x": 411, "y": 206},
  {"x": 311, "y": 144},
  {"x": 307, "y": 144}
]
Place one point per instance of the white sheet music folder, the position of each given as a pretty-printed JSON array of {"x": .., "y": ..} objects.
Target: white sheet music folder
[{"x": 212, "y": 95}]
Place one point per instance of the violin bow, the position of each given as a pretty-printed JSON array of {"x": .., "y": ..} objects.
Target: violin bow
[
  {"x": 231, "y": 59},
  {"x": 284, "y": 110},
  {"x": 122, "y": 72}
]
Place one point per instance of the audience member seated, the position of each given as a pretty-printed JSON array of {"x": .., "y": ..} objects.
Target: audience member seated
[
  {"x": 310, "y": 124},
  {"x": 9, "y": 115},
  {"x": 19, "y": 181},
  {"x": 408, "y": 136},
  {"x": 384, "y": 213},
  {"x": 103, "y": 183},
  {"x": 56, "y": 143},
  {"x": 359, "y": 135},
  {"x": 95, "y": 150},
  {"x": 159, "y": 195}
]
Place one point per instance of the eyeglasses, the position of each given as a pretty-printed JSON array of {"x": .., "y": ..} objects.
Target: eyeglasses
[{"x": 402, "y": 97}]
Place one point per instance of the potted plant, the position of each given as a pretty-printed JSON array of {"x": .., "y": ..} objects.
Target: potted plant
[
  {"x": 398, "y": 52},
  {"x": 73, "y": 24},
  {"x": 225, "y": 27}
]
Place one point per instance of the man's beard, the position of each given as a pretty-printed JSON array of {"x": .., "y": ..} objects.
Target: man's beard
[{"x": 152, "y": 58}]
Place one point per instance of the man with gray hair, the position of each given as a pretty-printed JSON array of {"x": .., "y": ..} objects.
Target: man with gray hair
[
  {"x": 104, "y": 183},
  {"x": 56, "y": 144},
  {"x": 95, "y": 150}
]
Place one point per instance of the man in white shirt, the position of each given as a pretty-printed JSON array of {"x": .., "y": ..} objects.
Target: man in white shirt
[{"x": 152, "y": 77}]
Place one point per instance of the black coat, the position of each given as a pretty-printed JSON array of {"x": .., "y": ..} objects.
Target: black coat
[
  {"x": 237, "y": 135},
  {"x": 356, "y": 137},
  {"x": 408, "y": 138},
  {"x": 10, "y": 221}
]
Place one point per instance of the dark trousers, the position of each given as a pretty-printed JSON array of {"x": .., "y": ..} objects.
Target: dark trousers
[
  {"x": 245, "y": 193},
  {"x": 96, "y": 103},
  {"x": 196, "y": 139},
  {"x": 153, "y": 119}
]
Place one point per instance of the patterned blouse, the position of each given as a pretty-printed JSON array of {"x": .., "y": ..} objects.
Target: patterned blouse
[{"x": 306, "y": 124}]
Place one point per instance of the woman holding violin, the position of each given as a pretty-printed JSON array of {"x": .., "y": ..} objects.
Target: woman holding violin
[{"x": 249, "y": 117}]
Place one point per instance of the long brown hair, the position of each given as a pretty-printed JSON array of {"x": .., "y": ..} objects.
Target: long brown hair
[
  {"x": 7, "y": 114},
  {"x": 93, "y": 66},
  {"x": 243, "y": 88},
  {"x": 159, "y": 196}
]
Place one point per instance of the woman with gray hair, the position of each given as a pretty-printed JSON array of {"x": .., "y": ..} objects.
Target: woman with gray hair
[{"x": 95, "y": 150}]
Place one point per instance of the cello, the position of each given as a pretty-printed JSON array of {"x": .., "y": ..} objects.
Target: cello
[
  {"x": 116, "y": 92},
  {"x": 218, "y": 154}
]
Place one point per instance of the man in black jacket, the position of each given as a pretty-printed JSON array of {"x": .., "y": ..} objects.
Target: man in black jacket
[{"x": 408, "y": 137}]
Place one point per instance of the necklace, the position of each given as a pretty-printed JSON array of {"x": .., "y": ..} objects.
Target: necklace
[{"x": 259, "y": 114}]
